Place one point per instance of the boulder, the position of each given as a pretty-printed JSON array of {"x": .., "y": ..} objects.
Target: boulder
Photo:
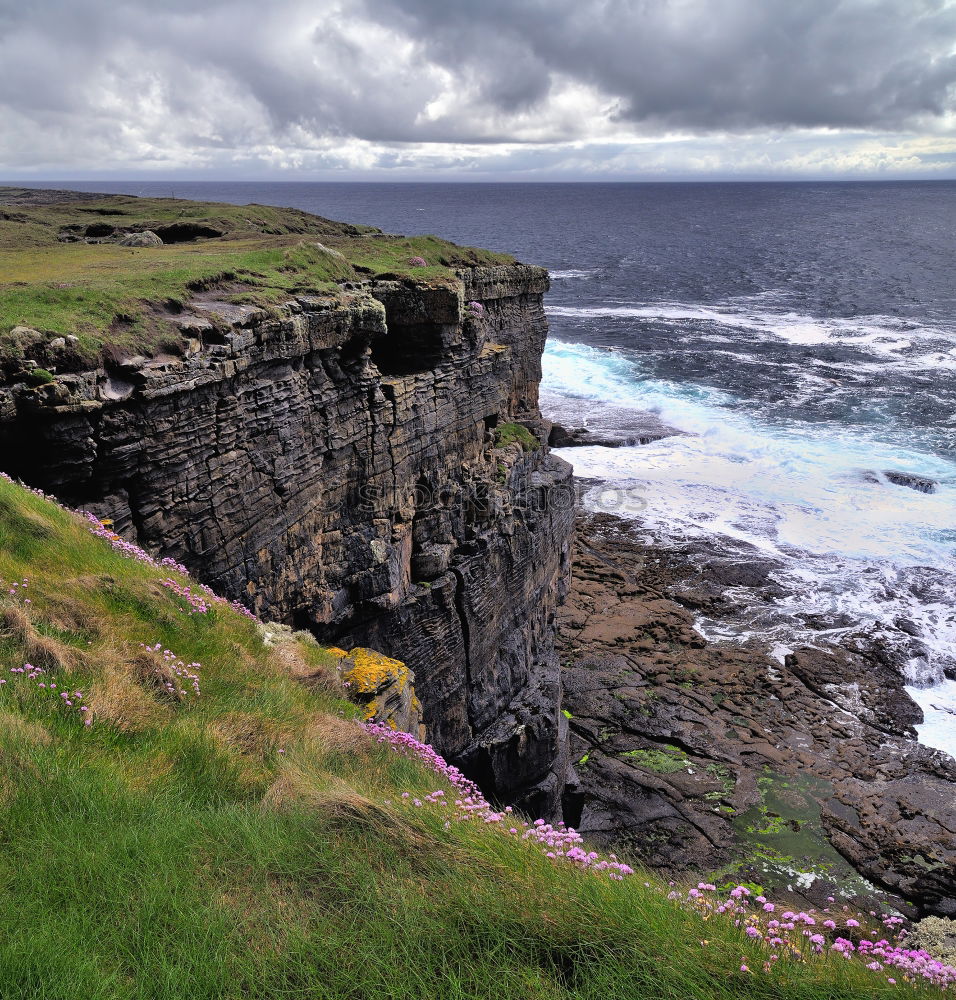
[
  {"x": 147, "y": 238},
  {"x": 384, "y": 687},
  {"x": 912, "y": 481}
]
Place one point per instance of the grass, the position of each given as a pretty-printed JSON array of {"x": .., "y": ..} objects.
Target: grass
[
  {"x": 129, "y": 298},
  {"x": 38, "y": 217},
  {"x": 252, "y": 842}
]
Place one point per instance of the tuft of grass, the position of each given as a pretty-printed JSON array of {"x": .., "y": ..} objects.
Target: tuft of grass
[
  {"x": 253, "y": 842},
  {"x": 506, "y": 434}
]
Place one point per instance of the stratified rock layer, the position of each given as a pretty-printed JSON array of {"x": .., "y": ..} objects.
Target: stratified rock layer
[{"x": 336, "y": 468}]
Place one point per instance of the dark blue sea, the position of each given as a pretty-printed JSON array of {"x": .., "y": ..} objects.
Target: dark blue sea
[{"x": 803, "y": 336}]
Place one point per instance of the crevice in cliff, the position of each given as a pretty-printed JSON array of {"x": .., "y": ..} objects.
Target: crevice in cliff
[
  {"x": 463, "y": 622},
  {"x": 388, "y": 392}
]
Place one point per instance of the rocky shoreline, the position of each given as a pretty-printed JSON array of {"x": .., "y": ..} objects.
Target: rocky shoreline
[{"x": 804, "y": 775}]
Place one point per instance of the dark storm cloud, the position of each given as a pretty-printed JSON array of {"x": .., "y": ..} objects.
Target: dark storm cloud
[
  {"x": 704, "y": 64},
  {"x": 308, "y": 82}
]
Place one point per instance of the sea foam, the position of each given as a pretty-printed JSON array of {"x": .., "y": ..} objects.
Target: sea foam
[{"x": 809, "y": 496}]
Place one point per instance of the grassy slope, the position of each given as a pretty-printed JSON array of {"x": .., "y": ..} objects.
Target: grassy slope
[
  {"x": 170, "y": 850},
  {"x": 107, "y": 294}
]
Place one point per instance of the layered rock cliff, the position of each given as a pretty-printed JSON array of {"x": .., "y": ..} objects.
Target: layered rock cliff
[{"x": 350, "y": 464}]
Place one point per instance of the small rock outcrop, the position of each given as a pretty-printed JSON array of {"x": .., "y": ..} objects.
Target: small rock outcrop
[
  {"x": 385, "y": 688},
  {"x": 922, "y": 484},
  {"x": 147, "y": 238},
  {"x": 912, "y": 481},
  {"x": 935, "y": 935}
]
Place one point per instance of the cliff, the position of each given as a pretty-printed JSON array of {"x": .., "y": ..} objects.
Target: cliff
[{"x": 347, "y": 460}]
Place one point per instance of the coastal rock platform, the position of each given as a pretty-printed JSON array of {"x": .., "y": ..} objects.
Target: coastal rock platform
[{"x": 704, "y": 755}]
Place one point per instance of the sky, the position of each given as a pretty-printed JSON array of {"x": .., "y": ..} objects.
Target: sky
[{"x": 510, "y": 90}]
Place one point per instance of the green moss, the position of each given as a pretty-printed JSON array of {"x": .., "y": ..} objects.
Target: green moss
[
  {"x": 723, "y": 774},
  {"x": 666, "y": 761},
  {"x": 784, "y": 840},
  {"x": 516, "y": 434}
]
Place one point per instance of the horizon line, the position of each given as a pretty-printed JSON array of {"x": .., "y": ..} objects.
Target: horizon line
[{"x": 26, "y": 182}]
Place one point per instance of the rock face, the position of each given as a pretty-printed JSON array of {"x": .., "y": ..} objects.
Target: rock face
[
  {"x": 336, "y": 468},
  {"x": 701, "y": 755}
]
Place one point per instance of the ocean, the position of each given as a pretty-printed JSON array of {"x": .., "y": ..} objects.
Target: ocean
[{"x": 802, "y": 336}]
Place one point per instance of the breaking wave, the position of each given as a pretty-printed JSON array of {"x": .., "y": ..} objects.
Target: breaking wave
[{"x": 812, "y": 497}]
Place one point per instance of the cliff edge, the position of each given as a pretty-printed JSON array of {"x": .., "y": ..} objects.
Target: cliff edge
[{"x": 347, "y": 440}]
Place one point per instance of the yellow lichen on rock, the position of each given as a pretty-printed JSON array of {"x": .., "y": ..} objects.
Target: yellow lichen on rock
[
  {"x": 385, "y": 689},
  {"x": 372, "y": 671}
]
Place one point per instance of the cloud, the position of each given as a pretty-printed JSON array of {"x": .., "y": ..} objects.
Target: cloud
[
  {"x": 703, "y": 64},
  {"x": 406, "y": 86}
]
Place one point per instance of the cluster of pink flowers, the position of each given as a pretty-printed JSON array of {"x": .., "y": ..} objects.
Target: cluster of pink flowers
[
  {"x": 102, "y": 529},
  {"x": 17, "y": 589},
  {"x": 70, "y": 700},
  {"x": 476, "y": 309},
  {"x": 418, "y": 262},
  {"x": 558, "y": 842},
  {"x": 914, "y": 964},
  {"x": 805, "y": 934},
  {"x": 186, "y": 674},
  {"x": 196, "y": 602}
]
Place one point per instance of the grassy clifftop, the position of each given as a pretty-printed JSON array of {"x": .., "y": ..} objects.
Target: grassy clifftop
[
  {"x": 63, "y": 270},
  {"x": 188, "y": 812}
]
